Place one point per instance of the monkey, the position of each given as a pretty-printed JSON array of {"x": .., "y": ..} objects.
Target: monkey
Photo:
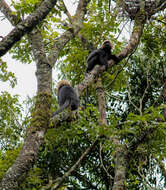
[
  {"x": 101, "y": 56},
  {"x": 66, "y": 97}
]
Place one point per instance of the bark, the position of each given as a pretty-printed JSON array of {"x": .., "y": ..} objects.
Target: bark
[
  {"x": 103, "y": 123},
  {"x": 121, "y": 165},
  {"x": 121, "y": 153},
  {"x": 101, "y": 102},
  {"x": 5, "y": 9},
  {"x": 40, "y": 118},
  {"x": 76, "y": 25},
  {"x": 25, "y": 26},
  {"x": 132, "y": 7},
  {"x": 135, "y": 37},
  {"x": 39, "y": 123}
]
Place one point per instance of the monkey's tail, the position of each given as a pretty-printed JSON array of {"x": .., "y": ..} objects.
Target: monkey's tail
[
  {"x": 109, "y": 6},
  {"x": 87, "y": 95},
  {"x": 64, "y": 106}
]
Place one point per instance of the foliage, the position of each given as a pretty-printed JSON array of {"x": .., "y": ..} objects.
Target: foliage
[
  {"x": 10, "y": 127},
  {"x": 7, "y": 159},
  {"x": 5, "y": 75},
  {"x": 34, "y": 180},
  {"x": 132, "y": 90}
]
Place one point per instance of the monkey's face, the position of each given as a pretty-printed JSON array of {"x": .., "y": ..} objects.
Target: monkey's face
[{"x": 107, "y": 44}]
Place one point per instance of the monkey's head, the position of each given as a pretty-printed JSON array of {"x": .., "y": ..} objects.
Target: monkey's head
[
  {"x": 63, "y": 83},
  {"x": 107, "y": 44}
]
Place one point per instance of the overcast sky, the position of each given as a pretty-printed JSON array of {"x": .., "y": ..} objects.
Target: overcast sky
[{"x": 25, "y": 73}]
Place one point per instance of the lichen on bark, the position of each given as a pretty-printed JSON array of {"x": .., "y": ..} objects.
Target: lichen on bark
[{"x": 42, "y": 113}]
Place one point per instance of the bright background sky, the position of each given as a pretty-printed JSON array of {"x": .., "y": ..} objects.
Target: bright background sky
[{"x": 25, "y": 73}]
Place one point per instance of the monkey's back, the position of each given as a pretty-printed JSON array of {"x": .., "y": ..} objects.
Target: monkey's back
[
  {"x": 93, "y": 59},
  {"x": 68, "y": 93}
]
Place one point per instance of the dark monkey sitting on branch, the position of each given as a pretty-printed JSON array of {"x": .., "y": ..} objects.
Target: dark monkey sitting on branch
[
  {"x": 101, "y": 56},
  {"x": 66, "y": 97}
]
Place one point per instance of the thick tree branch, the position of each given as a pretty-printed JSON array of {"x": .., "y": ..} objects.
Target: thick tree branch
[
  {"x": 59, "y": 44},
  {"x": 101, "y": 102},
  {"x": 26, "y": 26},
  {"x": 76, "y": 25},
  {"x": 40, "y": 119},
  {"x": 131, "y": 47},
  {"x": 5, "y": 9},
  {"x": 121, "y": 152},
  {"x": 67, "y": 13},
  {"x": 121, "y": 164},
  {"x": 102, "y": 120},
  {"x": 149, "y": 7},
  {"x": 39, "y": 124},
  {"x": 134, "y": 39},
  {"x": 85, "y": 43}
]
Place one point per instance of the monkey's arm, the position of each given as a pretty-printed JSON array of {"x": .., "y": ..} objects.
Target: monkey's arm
[
  {"x": 64, "y": 106},
  {"x": 115, "y": 58}
]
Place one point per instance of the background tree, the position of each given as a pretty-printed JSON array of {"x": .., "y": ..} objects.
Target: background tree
[{"x": 118, "y": 141}]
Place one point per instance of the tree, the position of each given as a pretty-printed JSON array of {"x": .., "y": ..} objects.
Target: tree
[{"x": 118, "y": 141}]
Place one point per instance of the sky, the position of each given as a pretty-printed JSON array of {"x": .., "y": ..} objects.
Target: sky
[{"x": 25, "y": 73}]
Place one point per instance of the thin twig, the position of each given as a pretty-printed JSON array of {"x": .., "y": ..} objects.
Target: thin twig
[
  {"x": 118, "y": 72},
  {"x": 130, "y": 99},
  {"x": 144, "y": 179},
  {"x": 67, "y": 12},
  {"x": 101, "y": 160},
  {"x": 61, "y": 181},
  {"x": 113, "y": 96},
  {"x": 155, "y": 18},
  {"x": 121, "y": 69},
  {"x": 145, "y": 91},
  {"x": 18, "y": 123},
  {"x": 122, "y": 29}
]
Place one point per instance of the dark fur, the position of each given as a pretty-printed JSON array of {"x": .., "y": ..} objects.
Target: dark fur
[
  {"x": 101, "y": 56},
  {"x": 67, "y": 97}
]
